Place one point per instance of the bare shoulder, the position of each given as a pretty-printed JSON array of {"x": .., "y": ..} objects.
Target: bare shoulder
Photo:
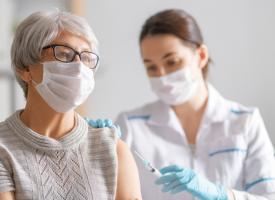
[
  {"x": 7, "y": 196},
  {"x": 128, "y": 184},
  {"x": 123, "y": 149}
]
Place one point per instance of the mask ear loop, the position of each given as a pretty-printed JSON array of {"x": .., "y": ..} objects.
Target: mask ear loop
[
  {"x": 31, "y": 79},
  {"x": 34, "y": 83}
]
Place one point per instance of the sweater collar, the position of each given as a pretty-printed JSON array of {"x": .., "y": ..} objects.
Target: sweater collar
[{"x": 38, "y": 141}]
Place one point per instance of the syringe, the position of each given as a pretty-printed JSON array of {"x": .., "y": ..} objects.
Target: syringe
[{"x": 148, "y": 165}]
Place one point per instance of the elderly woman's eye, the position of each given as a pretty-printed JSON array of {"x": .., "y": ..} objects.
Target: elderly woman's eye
[
  {"x": 86, "y": 58},
  {"x": 64, "y": 56},
  {"x": 89, "y": 59}
]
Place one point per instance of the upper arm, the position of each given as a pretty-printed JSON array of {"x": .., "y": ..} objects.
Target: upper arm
[
  {"x": 128, "y": 184},
  {"x": 7, "y": 196}
]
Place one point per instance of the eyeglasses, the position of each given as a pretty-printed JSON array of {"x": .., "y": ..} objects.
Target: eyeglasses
[{"x": 67, "y": 54}]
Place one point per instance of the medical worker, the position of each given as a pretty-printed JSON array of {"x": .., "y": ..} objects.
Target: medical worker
[{"x": 205, "y": 146}]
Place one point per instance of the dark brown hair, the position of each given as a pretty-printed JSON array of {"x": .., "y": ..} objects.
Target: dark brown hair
[{"x": 178, "y": 23}]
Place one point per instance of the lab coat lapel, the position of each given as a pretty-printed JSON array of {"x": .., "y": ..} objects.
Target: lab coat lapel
[
  {"x": 217, "y": 107},
  {"x": 216, "y": 111}
]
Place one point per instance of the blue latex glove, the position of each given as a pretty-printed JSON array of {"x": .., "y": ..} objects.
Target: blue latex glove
[
  {"x": 100, "y": 123},
  {"x": 177, "y": 179}
]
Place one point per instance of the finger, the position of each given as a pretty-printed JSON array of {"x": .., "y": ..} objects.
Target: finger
[
  {"x": 171, "y": 168},
  {"x": 170, "y": 186},
  {"x": 91, "y": 122},
  {"x": 173, "y": 184},
  {"x": 178, "y": 189},
  {"x": 167, "y": 179},
  {"x": 100, "y": 123},
  {"x": 186, "y": 176},
  {"x": 108, "y": 123}
]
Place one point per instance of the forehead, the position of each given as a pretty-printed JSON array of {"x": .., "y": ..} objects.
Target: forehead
[
  {"x": 159, "y": 45},
  {"x": 77, "y": 42}
]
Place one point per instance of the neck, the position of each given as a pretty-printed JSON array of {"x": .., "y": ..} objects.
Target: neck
[
  {"x": 195, "y": 107},
  {"x": 42, "y": 119}
]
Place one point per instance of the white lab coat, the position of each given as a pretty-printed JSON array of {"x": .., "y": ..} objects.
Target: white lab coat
[{"x": 232, "y": 147}]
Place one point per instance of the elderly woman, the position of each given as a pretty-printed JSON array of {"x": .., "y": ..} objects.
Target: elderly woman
[{"x": 47, "y": 151}]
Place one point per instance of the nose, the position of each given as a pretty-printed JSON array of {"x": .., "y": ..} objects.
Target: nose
[
  {"x": 77, "y": 58},
  {"x": 162, "y": 71}
]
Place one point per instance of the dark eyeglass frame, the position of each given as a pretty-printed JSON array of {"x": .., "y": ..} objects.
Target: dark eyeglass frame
[{"x": 75, "y": 53}]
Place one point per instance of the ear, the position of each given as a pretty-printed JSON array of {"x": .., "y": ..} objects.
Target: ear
[
  {"x": 24, "y": 74},
  {"x": 203, "y": 55}
]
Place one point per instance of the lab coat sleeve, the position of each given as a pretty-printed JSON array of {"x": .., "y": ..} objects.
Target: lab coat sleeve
[
  {"x": 6, "y": 182},
  {"x": 259, "y": 167},
  {"x": 238, "y": 195}
]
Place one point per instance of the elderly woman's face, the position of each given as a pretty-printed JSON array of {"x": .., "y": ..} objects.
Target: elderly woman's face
[{"x": 77, "y": 43}]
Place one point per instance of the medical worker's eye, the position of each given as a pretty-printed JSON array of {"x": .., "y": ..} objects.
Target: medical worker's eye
[
  {"x": 151, "y": 68},
  {"x": 173, "y": 62}
]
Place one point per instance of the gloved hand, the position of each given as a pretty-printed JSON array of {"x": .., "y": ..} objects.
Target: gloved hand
[
  {"x": 177, "y": 179},
  {"x": 100, "y": 123}
]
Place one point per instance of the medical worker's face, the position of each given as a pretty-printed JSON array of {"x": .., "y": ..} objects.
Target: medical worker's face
[{"x": 164, "y": 54}]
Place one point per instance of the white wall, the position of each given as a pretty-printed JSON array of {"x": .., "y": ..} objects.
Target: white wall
[
  {"x": 12, "y": 12},
  {"x": 240, "y": 35},
  {"x": 6, "y": 15}
]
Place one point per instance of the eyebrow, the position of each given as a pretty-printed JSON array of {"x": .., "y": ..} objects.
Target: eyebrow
[
  {"x": 163, "y": 57},
  {"x": 67, "y": 44}
]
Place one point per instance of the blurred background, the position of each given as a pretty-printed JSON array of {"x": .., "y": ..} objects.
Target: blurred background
[{"x": 239, "y": 34}]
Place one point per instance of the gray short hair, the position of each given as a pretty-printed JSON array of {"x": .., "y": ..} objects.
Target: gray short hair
[{"x": 39, "y": 30}]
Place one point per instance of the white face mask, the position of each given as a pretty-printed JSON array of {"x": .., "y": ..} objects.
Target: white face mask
[
  {"x": 175, "y": 88},
  {"x": 65, "y": 85}
]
